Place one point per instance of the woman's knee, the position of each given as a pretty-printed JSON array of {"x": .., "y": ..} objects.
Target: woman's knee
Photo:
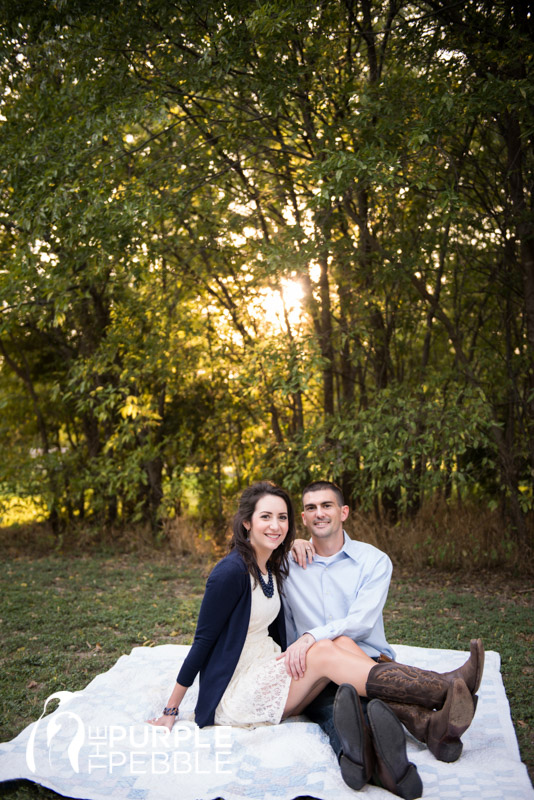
[
  {"x": 344, "y": 640},
  {"x": 323, "y": 649}
]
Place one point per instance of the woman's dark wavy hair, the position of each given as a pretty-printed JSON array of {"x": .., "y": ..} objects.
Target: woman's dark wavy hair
[{"x": 247, "y": 504}]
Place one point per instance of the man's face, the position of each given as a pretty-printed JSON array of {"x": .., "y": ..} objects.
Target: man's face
[{"x": 323, "y": 516}]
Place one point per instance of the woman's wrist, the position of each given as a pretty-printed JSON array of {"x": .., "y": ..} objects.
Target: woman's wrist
[{"x": 171, "y": 711}]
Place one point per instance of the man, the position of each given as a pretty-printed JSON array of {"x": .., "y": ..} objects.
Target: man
[
  {"x": 342, "y": 592},
  {"x": 346, "y": 584},
  {"x": 341, "y": 589}
]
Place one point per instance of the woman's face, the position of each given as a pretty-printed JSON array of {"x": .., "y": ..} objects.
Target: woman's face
[{"x": 269, "y": 525}]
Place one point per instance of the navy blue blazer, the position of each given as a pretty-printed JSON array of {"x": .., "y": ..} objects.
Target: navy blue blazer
[{"x": 220, "y": 635}]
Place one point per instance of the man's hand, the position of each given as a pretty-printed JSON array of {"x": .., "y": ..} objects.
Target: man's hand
[
  {"x": 303, "y": 551},
  {"x": 295, "y": 656}
]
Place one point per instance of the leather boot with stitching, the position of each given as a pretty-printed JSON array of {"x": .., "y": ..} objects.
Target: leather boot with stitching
[
  {"x": 440, "y": 730},
  {"x": 471, "y": 671},
  {"x": 378, "y": 751},
  {"x": 406, "y": 684}
]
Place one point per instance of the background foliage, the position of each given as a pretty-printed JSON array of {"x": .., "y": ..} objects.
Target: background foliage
[{"x": 291, "y": 239}]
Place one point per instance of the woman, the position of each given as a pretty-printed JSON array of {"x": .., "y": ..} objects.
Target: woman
[
  {"x": 241, "y": 628},
  {"x": 240, "y": 636}
]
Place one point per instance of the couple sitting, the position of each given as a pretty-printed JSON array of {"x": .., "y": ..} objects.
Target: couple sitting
[{"x": 333, "y": 595}]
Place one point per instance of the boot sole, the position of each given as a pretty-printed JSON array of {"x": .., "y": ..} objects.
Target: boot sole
[
  {"x": 455, "y": 717},
  {"x": 462, "y": 709},
  {"x": 354, "y": 775},
  {"x": 476, "y": 644},
  {"x": 350, "y": 727},
  {"x": 448, "y": 751},
  {"x": 397, "y": 774}
]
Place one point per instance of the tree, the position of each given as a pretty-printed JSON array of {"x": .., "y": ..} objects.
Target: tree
[{"x": 166, "y": 171}]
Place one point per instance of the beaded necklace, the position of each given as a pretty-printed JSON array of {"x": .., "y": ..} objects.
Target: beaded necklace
[{"x": 267, "y": 588}]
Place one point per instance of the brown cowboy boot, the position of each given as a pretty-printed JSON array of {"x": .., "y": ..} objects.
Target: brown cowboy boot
[
  {"x": 440, "y": 730},
  {"x": 357, "y": 757},
  {"x": 471, "y": 671},
  {"x": 423, "y": 687},
  {"x": 393, "y": 771},
  {"x": 377, "y": 751},
  {"x": 404, "y": 684}
]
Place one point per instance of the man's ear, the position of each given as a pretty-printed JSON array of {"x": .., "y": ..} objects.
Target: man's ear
[{"x": 345, "y": 510}]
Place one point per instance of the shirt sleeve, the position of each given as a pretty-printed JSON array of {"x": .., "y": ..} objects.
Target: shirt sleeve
[
  {"x": 224, "y": 590},
  {"x": 365, "y": 611},
  {"x": 291, "y": 628}
]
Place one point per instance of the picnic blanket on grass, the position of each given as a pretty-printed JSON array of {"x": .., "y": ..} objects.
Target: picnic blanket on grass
[{"x": 96, "y": 744}]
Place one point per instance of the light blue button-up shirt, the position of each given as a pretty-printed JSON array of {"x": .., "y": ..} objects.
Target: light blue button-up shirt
[{"x": 340, "y": 595}]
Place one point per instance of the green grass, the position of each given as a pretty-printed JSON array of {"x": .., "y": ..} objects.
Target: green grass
[{"x": 64, "y": 619}]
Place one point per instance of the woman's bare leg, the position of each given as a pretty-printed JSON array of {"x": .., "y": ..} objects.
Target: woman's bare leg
[
  {"x": 327, "y": 661},
  {"x": 313, "y": 693},
  {"x": 346, "y": 644}
]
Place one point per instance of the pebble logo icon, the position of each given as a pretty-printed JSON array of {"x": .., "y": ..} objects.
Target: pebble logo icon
[{"x": 53, "y": 726}]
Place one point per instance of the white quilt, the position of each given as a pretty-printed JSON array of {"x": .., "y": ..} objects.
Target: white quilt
[{"x": 96, "y": 745}]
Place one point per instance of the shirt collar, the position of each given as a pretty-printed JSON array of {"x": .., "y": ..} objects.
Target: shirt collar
[
  {"x": 341, "y": 554},
  {"x": 347, "y": 546}
]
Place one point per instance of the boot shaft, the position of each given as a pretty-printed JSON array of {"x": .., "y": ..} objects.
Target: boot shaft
[{"x": 405, "y": 684}]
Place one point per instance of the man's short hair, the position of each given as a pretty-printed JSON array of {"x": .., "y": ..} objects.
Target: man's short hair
[{"x": 318, "y": 486}]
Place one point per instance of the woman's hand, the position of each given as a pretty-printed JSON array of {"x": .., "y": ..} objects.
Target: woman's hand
[
  {"x": 163, "y": 722},
  {"x": 303, "y": 552},
  {"x": 167, "y": 719}
]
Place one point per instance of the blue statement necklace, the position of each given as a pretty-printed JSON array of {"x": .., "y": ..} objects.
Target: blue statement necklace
[{"x": 267, "y": 588}]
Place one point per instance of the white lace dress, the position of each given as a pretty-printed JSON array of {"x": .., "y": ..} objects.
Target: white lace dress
[{"x": 258, "y": 689}]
